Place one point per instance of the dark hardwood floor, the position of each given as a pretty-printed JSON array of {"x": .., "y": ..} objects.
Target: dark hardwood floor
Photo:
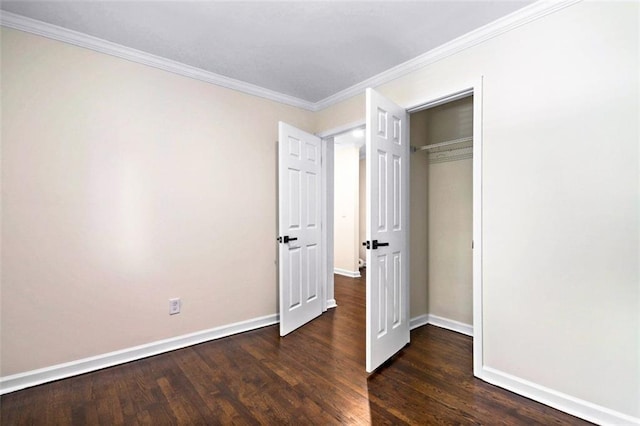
[{"x": 313, "y": 376}]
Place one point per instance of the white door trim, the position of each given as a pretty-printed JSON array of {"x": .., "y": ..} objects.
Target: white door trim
[
  {"x": 459, "y": 91},
  {"x": 328, "y": 298},
  {"x": 329, "y": 134},
  {"x": 327, "y": 210}
]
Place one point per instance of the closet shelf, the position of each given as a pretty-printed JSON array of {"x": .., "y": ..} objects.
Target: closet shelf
[{"x": 463, "y": 142}]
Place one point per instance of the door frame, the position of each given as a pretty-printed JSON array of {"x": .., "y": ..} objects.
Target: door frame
[
  {"x": 421, "y": 102},
  {"x": 327, "y": 186},
  {"x": 455, "y": 92}
]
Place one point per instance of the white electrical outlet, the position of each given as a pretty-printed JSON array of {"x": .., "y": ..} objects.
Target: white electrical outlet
[{"x": 174, "y": 306}]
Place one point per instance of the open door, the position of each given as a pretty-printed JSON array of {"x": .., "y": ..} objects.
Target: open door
[
  {"x": 387, "y": 229},
  {"x": 299, "y": 207}
]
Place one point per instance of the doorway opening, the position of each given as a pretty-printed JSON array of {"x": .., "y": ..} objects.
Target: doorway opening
[
  {"x": 349, "y": 202},
  {"x": 442, "y": 214},
  {"x": 469, "y": 148}
]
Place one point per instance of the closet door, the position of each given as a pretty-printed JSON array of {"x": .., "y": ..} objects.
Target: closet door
[{"x": 387, "y": 229}]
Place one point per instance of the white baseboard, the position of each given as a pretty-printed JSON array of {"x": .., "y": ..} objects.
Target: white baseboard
[
  {"x": 424, "y": 319},
  {"x": 458, "y": 327},
  {"x": 331, "y": 303},
  {"x": 347, "y": 273},
  {"x": 574, "y": 406},
  {"x": 61, "y": 371},
  {"x": 418, "y": 321},
  {"x": 567, "y": 403}
]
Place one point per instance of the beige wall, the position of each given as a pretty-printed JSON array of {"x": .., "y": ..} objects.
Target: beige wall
[
  {"x": 419, "y": 211},
  {"x": 450, "y": 282},
  {"x": 346, "y": 218},
  {"x": 448, "y": 185},
  {"x": 561, "y": 196},
  {"x": 453, "y": 120},
  {"x": 124, "y": 186}
]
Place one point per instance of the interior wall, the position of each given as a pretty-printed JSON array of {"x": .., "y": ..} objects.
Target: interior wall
[
  {"x": 449, "y": 121},
  {"x": 346, "y": 209},
  {"x": 450, "y": 218},
  {"x": 450, "y": 228},
  {"x": 561, "y": 196},
  {"x": 124, "y": 186},
  {"x": 441, "y": 216},
  {"x": 419, "y": 212}
]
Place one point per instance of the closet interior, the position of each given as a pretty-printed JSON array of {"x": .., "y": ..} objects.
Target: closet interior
[{"x": 442, "y": 212}]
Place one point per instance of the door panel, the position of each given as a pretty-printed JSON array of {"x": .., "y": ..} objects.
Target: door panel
[
  {"x": 299, "y": 172},
  {"x": 387, "y": 224}
]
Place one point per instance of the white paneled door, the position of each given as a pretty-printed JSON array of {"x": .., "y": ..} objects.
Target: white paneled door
[
  {"x": 299, "y": 206},
  {"x": 387, "y": 229}
]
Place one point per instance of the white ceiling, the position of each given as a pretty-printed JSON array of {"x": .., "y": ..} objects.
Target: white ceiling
[{"x": 308, "y": 50}]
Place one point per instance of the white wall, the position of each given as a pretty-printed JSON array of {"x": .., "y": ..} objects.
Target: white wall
[
  {"x": 346, "y": 209},
  {"x": 124, "y": 186},
  {"x": 561, "y": 196}
]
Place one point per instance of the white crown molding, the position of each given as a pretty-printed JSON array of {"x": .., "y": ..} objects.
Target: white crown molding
[
  {"x": 346, "y": 273},
  {"x": 507, "y": 23},
  {"x": 558, "y": 400},
  {"x": 22, "y": 23},
  {"x": 61, "y": 371}
]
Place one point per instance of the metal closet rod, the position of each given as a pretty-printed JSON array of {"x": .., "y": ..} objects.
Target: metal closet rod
[{"x": 440, "y": 144}]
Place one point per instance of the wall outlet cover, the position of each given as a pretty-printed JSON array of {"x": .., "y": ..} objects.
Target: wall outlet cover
[{"x": 174, "y": 306}]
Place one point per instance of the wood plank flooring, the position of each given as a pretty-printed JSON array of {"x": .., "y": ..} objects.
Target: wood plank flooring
[{"x": 313, "y": 376}]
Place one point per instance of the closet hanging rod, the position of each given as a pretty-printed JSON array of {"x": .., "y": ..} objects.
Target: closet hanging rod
[{"x": 440, "y": 144}]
